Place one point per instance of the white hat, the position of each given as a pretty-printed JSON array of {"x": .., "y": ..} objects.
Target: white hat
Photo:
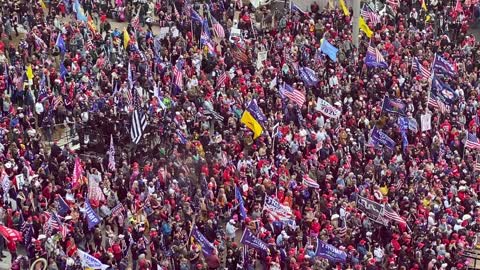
[{"x": 68, "y": 217}]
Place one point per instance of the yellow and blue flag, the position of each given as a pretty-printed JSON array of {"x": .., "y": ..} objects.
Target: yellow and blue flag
[{"x": 252, "y": 124}]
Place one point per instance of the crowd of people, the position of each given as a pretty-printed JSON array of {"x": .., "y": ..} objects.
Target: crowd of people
[{"x": 228, "y": 135}]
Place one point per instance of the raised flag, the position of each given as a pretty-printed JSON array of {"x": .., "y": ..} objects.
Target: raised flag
[
  {"x": 181, "y": 137},
  {"x": 111, "y": 155},
  {"x": 368, "y": 14},
  {"x": 92, "y": 218},
  {"x": 373, "y": 58},
  {"x": 389, "y": 214},
  {"x": 330, "y": 252},
  {"x": 63, "y": 71},
  {"x": 27, "y": 232},
  {"x": 476, "y": 167},
  {"x": 329, "y": 50},
  {"x": 207, "y": 247},
  {"x": 249, "y": 239},
  {"x": 60, "y": 43},
  {"x": 126, "y": 38},
  {"x": 309, "y": 182},
  {"x": 442, "y": 66},
  {"x": 79, "y": 11},
  {"x": 371, "y": 209},
  {"x": 279, "y": 211},
  {"x": 308, "y": 76},
  {"x": 90, "y": 262},
  {"x": 364, "y": 27},
  {"x": 252, "y": 124},
  {"x": 178, "y": 76},
  {"x": 442, "y": 91},
  {"x": 424, "y": 5},
  {"x": 403, "y": 124},
  {"x": 139, "y": 119},
  {"x": 95, "y": 193},
  {"x": 77, "y": 172},
  {"x": 62, "y": 206},
  {"x": 117, "y": 210},
  {"x": 327, "y": 109},
  {"x": 394, "y": 105},
  {"x": 239, "y": 198},
  {"x": 345, "y": 10},
  {"x": 29, "y": 72},
  {"x": 10, "y": 234},
  {"x": 377, "y": 137},
  {"x": 420, "y": 69},
  {"x": 256, "y": 112},
  {"x": 472, "y": 141},
  {"x": 91, "y": 25},
  {"x": 295, "y": 8},
  {"x": 42, "y": 91},
  {"x": 195, "y": 16},
  {"x": 292, "y": 94},
  {"x": 217, "y": 28}
]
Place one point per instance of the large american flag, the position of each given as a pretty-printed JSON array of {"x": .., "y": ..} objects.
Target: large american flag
[
  {"x": 472, "y": 141},
  {"x": 420, "y": 69},
  {"x": 178, "y": 74},
  {"x": 370, "y": 15},
  {"x": 111, "y": 155},
  {"x": 293, "y": 94},
  {"x": 392, "y": 215},
  {"x": 378, "y": 55},
  {"x": 139, "y": 119}
]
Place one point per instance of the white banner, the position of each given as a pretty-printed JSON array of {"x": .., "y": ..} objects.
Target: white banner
[
  {"x": 261, "y": 56},
  {"x": 280, "y": 211},
  {"x": 327, "y": 109},
  {"x": 426, "y": 122},
  {"x": 89, "y": 261}
]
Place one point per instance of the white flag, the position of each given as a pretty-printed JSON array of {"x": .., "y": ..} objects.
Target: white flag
[
  {"x": 89, "y": 261},
  {"x": 426, "y": 121}
]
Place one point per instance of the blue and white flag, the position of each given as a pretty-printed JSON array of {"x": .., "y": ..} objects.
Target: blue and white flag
[
  {"x": 92, "y": 217},
  {"x": 442, "y": 91},
  {"x": 279, "y": 211},
  {"x": 331, "y": 253},
  {"x": 62, "y": 206},
  {"x": 329, "y": 50},
  {"x": 394, "y": 105},
  {"x": 308, "y": 76},
  {"x": 207, "y": 247},
  {"x": 441, "y": 65},
  {"x": 63, "y": 71},
  {"x": 249, "y": 239},
  {"x": 256, "y": 112},
  {"x": 373, "y": 58},
  {"x": 88, "y": 261},
  {"x": 60, "y": 43},
  {"x": 377, "y": 138},
  {"x": 238, "y": 196},
  {"x": 412, "y": 125}
]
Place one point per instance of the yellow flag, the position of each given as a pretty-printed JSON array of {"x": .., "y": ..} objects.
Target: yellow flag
[
  {"x": 252, "y": 124},
  {"x": 29, "y": 72},
  {"x": 42, "y": 4},
  {"x": 126, "y": 38},
  {"x": 427, "y": 19},
  {"x": 91, "y": 24},
  {"x": 424, "y": 6},
  {"x": 364, "y": 27},
  {"x": 344, "y": 8}
]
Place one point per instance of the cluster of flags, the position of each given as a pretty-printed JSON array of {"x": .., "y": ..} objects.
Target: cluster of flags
[{"x": 54, "y": 223}]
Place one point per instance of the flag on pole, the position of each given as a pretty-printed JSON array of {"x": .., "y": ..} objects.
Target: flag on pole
[
  {"x": 126, "y": 38},
  {"x": 60, "y": 43},
  {"x": 217, "y": 28},
  {"x": 238, "y": 196},
  {"x": 294, "y": 95},
  {"x": 477, "y": 164},
  {"x": 370, "y": 15},
  {"x": 91, "y": 25},
  {"x": 364, "y": 27},
  {"x": 388, "y": 213},
  {"x": 424, "y": 5},
  {"x": 329, "y": 49},
  {"x": 472, "y": 141},
  {"x": 195, "y": 16},
  {"x": 424, "y": 72},
  {"x": 252, "y": 124},
  {"x": 345, "y": 10},
  {"x": 77, "y": 172},
  {"x": 178, "y": 76},
  {"x": 309, "y": 182},
  {"x": 79, "y": 11},
  {"x": 139, "y": 119},
  {"x": 374, "y": 58},
  {"x": 111, "y": 155},
  {"x": 443, "y": 66}
]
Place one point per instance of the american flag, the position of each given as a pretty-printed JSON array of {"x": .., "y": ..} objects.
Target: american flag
[
  {"x": 370, "y": 15},
  {"x": 89, "y": 45},
  {"x": 135, "y": 22},
  {"x": 378, "y": 55},
  {"x": 420, "y": 69},
  {"x": 54, "y": 223},
  {"x": 309, "y": 182},
  {"x": 293, "y": 94},
  {"x": 394, "y": 4},
  {"x": 139, "y": 119},
  {"x": 39, "y": 42},
  {"x": 476, "y": 167},
  {"x": 438, "y": 104},
  {"x": 42, "y": 92},
  {"x": 221, "y": 79},
  {"x": 472, "y": 141},
  {"x": 111, "y": 155},
  {"x": 57, "y": 102},
  {"x": 392, "y": 215},
  {"x": 206, "y": 41},
  {"x": 217, "y": 28},
  {"x": 178, "y": 74}
]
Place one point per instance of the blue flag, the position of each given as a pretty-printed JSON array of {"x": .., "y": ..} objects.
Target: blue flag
[
  {"x": 195, "y": 16},
  {"x": 403, "y": 124},
  {"x": 308, "y": 76},
  {"x": 249, "y": 239},
  {"x": 60, "y": 43},
  {"x": 329, "y": 50},
  {"x": 63, "y": 71},
  {"x": 62, "y": 206},
  {"x": 374, "y": 58},
  {"x": 377, "y": 138},
  {"x": 256, "y": 112},
  {"x": 207, "y": 247},
  {"x": 442, "y": 91},
  {"x": 238, "y": 196},
  {"x": 413, "y": 125},
  {"x": 442, "y": 66},
  {"x": 330, "y": 252},
  {"x": 92, "y": 217},
  {"x": 394, "y": 105},
  {"x": 79, "y": 11}
]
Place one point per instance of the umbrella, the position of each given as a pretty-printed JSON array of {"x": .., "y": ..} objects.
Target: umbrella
[{"x": 10, "y": 234}]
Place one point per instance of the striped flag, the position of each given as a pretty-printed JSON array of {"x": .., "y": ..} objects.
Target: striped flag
[
  {"x": 89, "y": 45},
  {"x": 139, "y": 119},
  {"x": 94, "y": 190},
  {"x": 472, "y": 141},
  {"x": 42, "y": 92},
  {"x": 438, "y": 104},
  {"x": 309, "y": 182},
  {"x": 370, "y": 15},
  {"x": 39, "y": 42},
  {"x": 221, "y": 79},
  {"x": 476, "y": 167},
  {"x": 178, "y": 75},
  {"x": 394, "y": 4},
  {"x": 294, "y": 95},
  {"x": 374, "y": 58},
  {"x": 420, "y": 69},
  {"x": 57, "y": 102},
  {"x": 217, "y": 28},
  {"x": 111, "y": 155},
  {"x": 392, "y": 215}
]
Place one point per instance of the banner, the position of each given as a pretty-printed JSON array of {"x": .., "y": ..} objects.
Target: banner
[
  {"x": 394, "y": 105},
  {"x": 249, "y": 239},
  {"x": 275, "y": 208},
  {"x": 92, "y": 217},
  {"x": 89, "y": 261},
  {"x": 327, "y": 109},
  {"x": 62, "y": 206},
  {"x": 426, "y": 122},
  {"x": 20, "y": 179},
  {"x": 261, "y": 56},
  {"x": 377, "y": 137},
  {"x": 371, "y": 209},
  {"x": 117, "y": 210},
  {"x": 331, "y": 253},
  {"x": 207, "y": 247},
  {"x": 10, "y": 234},
  {"x": 238, "y": 196},
  {"x": 308, "y": 76}
]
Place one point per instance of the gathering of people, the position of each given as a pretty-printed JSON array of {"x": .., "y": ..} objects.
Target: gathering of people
[{"x": 228, "y": 134}]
